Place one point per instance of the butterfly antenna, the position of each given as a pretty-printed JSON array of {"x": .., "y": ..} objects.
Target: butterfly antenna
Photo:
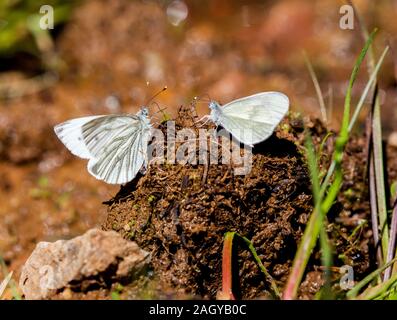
[
  {"x": 160, "y": 110},
  {"x": 155, "y": 95},
  {"x": 205, "y": 98}
]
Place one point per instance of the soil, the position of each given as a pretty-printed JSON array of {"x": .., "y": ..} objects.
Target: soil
[{"x": 107, "y": 53}]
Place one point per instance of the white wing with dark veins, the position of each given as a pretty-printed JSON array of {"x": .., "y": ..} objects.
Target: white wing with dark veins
[
  {"x": 69, "y": 132},
  {"x": 119, "y": 145},
  {"x": 116, "y": 145},
  {"x": 253, "y": 119}
]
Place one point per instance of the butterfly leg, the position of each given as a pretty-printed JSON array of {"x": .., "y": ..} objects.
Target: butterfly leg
[
  {"x": 146, "y": 162},
  {"x": 205, "y": 118}
]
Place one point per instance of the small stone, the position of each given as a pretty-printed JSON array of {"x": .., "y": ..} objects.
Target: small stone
[{"x": 82, "y": 260}]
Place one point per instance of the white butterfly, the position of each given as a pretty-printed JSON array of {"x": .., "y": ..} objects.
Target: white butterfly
[
  {"x": 115, "y": 145},
  {"x": 251, "y": 119}
]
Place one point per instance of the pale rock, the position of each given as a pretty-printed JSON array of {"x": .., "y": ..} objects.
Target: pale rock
[{"x": 52, "y": 267}]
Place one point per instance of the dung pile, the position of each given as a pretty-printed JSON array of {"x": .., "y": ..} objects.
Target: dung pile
[{"x": 180, "y": 214}]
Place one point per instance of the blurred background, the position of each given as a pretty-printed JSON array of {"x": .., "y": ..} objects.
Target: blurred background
[{"x": 111, "y": 56}]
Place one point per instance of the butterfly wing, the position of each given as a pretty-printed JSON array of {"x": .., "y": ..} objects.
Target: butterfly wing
[
  {"x": 118, "y": 145},
  {"x": 69, "y": 132},
  {"x": 253, "y": 119}
]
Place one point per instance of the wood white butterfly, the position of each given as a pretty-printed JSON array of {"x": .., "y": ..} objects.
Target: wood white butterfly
[{"x": 251, "y": 119}]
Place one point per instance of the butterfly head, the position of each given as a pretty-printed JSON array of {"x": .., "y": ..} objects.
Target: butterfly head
[
  {"x": 215, "y": 111},
  {"x": 213, "y": 105},
  {"x": 144, "y": 112}
]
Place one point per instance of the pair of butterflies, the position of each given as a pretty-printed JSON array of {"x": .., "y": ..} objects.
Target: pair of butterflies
[{"x": 116, "y": 145}]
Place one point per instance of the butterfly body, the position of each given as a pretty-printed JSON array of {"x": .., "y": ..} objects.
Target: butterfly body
[{"x": 216, "y": 112}]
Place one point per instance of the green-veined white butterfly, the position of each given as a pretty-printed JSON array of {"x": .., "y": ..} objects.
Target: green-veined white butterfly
[{"x": 115, "y": 145}]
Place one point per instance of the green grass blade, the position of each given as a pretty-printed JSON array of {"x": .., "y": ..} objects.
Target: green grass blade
[
  {"x": 391, "y": 251},
  {"x": 374, "y": 209},
  {"x": 4, "y": 283},
  {"x": 312, "y": 162},
  {"x": 313, "y": 227},
  {"x": 269, "y": 278},
  {"x": 11, "y": 282},
  {"x": 317, "y": 88},
  {"x": 369, "y": 85},
  {"x": 359, "y": 286},
  {"x": 379, "y": 176},
  {"x": 326, "y": 251},
  {"x": 326, "y": 260},
  {"x": 378, "y": 160},
  {"x": 377, "y": 150},
  {"x": 357, "y": 110},
  {"x": 227, "y": 283},
  {"x": 381, "y": 290}
]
